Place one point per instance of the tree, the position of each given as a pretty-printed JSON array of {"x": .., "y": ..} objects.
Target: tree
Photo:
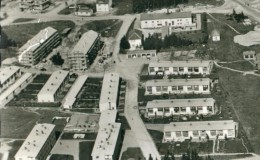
[
  {"x": 57, "y": 60},
  {"x": 124, "y": 44}
]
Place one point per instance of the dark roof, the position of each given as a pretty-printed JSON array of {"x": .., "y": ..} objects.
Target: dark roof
[
  {"x": 102, "y": 1},
  {"x": 215, "y": 33},
  {"x": 135, "y": 34},
  {"x": 156, "y": 16}
]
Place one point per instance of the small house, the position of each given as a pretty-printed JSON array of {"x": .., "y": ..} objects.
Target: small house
[
  {"x": 249, "y": 55},
  {"x": 135, "y": 39},
  {"x": 215, "y": 35}
]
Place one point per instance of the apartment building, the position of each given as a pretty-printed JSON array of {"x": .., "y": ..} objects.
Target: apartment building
[
  {"x": 180, "y": 67},
  {"x": 53, "y": 86},
  {"x": 75, "y": 89},
  {"x": 158, "y": 20},
  {"x": 178, "y": 86},
  {"x": 38, "y": 5},
  {"x": 200, "y": 130},
  {"x": 39, "y": 46},
  {"x": 109, "y": 92},
  {"x": 8, "y": 76},
  {"x": 38, "y": 144},
  {"x": 15, "y": 88},
  {"x": 103, "y": 5},
  {"x": 85, "y": 51},
  {"x": 171, "y": 107},
  {"x": 107, "y": 142}
]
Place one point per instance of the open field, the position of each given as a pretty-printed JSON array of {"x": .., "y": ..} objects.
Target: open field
[
  {"x": 18, "y": 122},
  {"x": 241, "y": 66},
  {"x": 243, "y": 94},
  {"x": 123, "y": 6},
  {"x": 107, "y": 28},
  {"x": 22, "y": 33}
]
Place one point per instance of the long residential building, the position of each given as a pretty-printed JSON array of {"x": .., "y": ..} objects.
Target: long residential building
[
  {"x": 15, "y": 88},
  {"x": 157, "y": 20},
  {"x": 53, "y": 86},
  {"x": 71, "y": 96},
  {"x": 107, "y": 142},
  {"x": 38, "y": 144},
  {"x": 38, "y": 5},
  {"x": 171, "y": 107},
  {"x": 85, "y": 51},
  {"x": 8, "y": 75},
  {"x": 178, "y": 86},
  {"x": 109, "y": 92},
  {"x": 200, "y": 130},
  {"x": 37, "y": 48},
  {"x": 180, "y": 67}
]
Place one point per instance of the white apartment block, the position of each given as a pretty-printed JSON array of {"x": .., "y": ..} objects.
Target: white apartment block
[
  {"x": 8, "y": 76},
  {"x": 103, "y": 5},
  {"x": 180, "y": 67},
  {"x": 38, "y": 144},
  {"x": 157, "y": 20},
  {"x": 109, "y": 92},
  {"x": 107, "y": 143},
  {"x": 200, "y": 130},
  {"x": 37, "y": 48},
  {"x": 15, "y": 88},
  {"x": 178, "y": 86},
  {"x": 53, "y": 86},
  {"x": 86, "y": 45},
  {"x": 71, "y": 96},
  {"x": 107, "y": 116},
  {"x": 171, "y": 107}
]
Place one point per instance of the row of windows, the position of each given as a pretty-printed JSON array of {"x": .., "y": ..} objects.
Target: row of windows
[
  {"x": 182, "y": 109},
  {"x": 178, "y": 88},
  {"x": 231, "y": 132},
  {"x": 179, "y": 69}
]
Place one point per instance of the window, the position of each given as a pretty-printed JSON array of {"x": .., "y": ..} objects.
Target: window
[
  {"x": 213, "y": 133},
  {"x": 196, "y": 69},
  {"x": 165, "y": 88},
  {"x": 145, "y": 21},
  {"x": 195, "y": 87},
  {"x": 231, "y": 132},
  {"x": 181, "y": 69},
  {"x": 189, "y": 88},
  {"x": 158, "y": 89},
  {"x": 174, "y": 88},
  {"x": 190, "y": 69},
  {"x": 183, "y": 109},
  {"x": 175, "y": 69},
  {"x": 166, "y": 68},
  {"x": 150, "y": 110},
  {"x": 203, "y": 133},
  {"x": 199, "y": 107},
  {"x": 178, "y": 133},
  {"x": 149, "y": 88},
  {"x": 152, "y": 21},
  {"x": 195, "y": 133},
  {"x": 220, "y": 132},
  {"x": 193, "y": 109},
  {"x": 151, "y": 69},
  {"x": 167, "y": 110},
  {"x": 180, "y": 88},
  {"x": 167, "y": 134},
  {"x": 185, "y": 133},
  {"x": 176, "y": 109},
  {"x": 205, "y": 87},
  {"x": 209, "y": 108},
  {"x": 205, "y": 69},
  {"x": 160, "y": 69},
  {"x": 160, "y": 109}
]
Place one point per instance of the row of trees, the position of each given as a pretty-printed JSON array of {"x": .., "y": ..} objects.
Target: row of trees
[{"x": 143, "y": 5}]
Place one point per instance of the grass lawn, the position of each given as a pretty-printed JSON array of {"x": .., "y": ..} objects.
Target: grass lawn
[
  {"x": 18, "y": 122},
  {"x": 15, "y": 147},
  {"x": 8, "y": 53},
  {"x": 19, "y": 20},
  {"x": 206, "y": 2},
  {"x": 85, "y": 150},
  {"x": 226, "y": 49},
  {"x": 241, "y": 66},
  {"x": 22, "y": 33},
  {"x": 66, "y": 11},
  {"x": 107, "y": 28},
  {"x": 232, "y": 146},
  {"x": 156, "y": 135},
  {"x": 134, "y": 153},
  {"x": 123, "y": 6},
  {"x": 61, "y": 157},
  {"x": 243, "y": 93}
]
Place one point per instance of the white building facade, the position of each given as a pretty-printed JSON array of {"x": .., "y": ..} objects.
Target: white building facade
[
  {"x": 135, "y": 39},
  {"x": 38, "y": 144},
  {"x": 180, "y": 67},
  {"x": 200, "y": 130},
  {"x": 141, "y": 54},
  {"x": 178, "y": 86},
  {"x": 204, "y": 106},
  {"x": 8, "y": 75},
  {"x": 103, "y": 5},
  {"x": 53, "y": 86},
  {"x": 157, "y": 20}
]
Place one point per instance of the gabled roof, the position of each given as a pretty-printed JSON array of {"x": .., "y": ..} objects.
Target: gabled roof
[
  {"x": 215, "y": 33},
  {"x": 102, "y": 1},
  {"x": 157, "y": 16},
  {"x": 135, "y": 34}
]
